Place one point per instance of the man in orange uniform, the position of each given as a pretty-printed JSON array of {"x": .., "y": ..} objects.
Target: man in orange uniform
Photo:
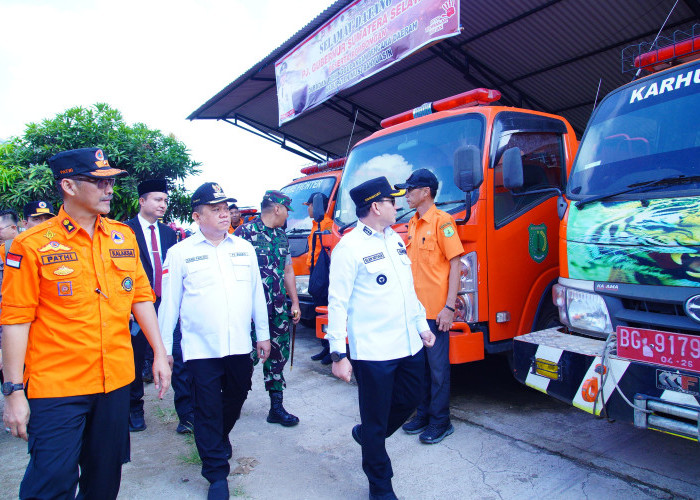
[
  {"x": 70, "y": 285},
  {"x": 235, "y": 214},
  {"x": 325, "y": 225},
  {"x": 434, "y": 249}
]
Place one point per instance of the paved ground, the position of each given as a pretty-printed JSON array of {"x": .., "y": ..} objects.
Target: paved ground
[{"x": 510, "y": 442}]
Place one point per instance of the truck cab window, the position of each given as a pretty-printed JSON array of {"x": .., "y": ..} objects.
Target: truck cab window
[{"x": 543, "y": 164}]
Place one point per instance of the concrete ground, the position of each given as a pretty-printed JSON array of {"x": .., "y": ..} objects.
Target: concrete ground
[{"x": 509, "y": 442}]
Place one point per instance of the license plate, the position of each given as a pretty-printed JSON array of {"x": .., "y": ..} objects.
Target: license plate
[{"x": 676, "y": 350}]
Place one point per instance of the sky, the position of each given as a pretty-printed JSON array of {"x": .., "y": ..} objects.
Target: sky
[{"x": 156, "y": 61}]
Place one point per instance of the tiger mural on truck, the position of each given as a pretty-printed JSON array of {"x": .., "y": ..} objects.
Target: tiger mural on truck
[{"x": 654, "y": 242}]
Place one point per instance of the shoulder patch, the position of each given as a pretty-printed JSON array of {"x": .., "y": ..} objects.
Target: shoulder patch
[
  {"x": 373, "y": 258},
  {"x": 448, "y": 230},
  {"x": 117, "y": 237},
  {"x": 13, "y": 260},
  {"x": 445, "y": 225},
  {"x": 67, "y": 224}
]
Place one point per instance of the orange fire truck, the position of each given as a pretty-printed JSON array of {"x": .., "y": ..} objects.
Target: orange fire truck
[
  {"x": 511, "y": 256},
  {"x": 322, "y": 178}
]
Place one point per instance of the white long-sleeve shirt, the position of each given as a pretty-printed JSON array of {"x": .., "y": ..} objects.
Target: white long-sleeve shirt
[
  {"x": 371, "y": 299},
  {"x": 215, "y": 291}
]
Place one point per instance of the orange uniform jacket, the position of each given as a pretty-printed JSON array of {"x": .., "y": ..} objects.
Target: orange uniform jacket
[
  {"x": 77, "y": 294},
  {"x": 432, "y": 243},
  {"x": 326, "y": 224}
]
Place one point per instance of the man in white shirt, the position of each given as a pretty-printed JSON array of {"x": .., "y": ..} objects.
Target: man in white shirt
[
  {"x": 372, "y": 302},
  {"x": 212, "y": 283},
  {"x": 154, "y": 240}
]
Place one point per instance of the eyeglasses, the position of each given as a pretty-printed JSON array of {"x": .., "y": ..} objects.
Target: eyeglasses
[
  {"x": 100, "y": 183},
  {"x": 390, "y": 200}
]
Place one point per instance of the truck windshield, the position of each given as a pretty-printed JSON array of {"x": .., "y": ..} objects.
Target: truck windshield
[
  {"x": 299, "y": 220},
  {"x": 644, "y": 132},
  {"x": 395, "y": 156}
]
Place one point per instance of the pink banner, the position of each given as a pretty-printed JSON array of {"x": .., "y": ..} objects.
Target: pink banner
[{"x": 362, "y": 39}]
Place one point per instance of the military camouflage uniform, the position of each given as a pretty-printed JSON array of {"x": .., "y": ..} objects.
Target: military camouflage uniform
[{"x": 272, "y": 248}]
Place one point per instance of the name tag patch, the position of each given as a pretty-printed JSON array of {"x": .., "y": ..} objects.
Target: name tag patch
[
  {"x": 402, "y": 251},
  {"x": 55, "y": 258},
  {"x": 373, "y": 258},
  {"x": 121, "y": 253},
  {"x": 65, "y": 288},
  {"x": 239, "y": 254},
  {"x": 196, "y": 259}
]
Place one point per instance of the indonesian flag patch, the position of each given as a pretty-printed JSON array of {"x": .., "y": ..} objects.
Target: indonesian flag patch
[{"x": 13, "y": 260}]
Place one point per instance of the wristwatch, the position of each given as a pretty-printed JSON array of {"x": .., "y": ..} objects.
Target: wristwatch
[
  {"x": 8, "y": 388},
  {"x": 336, "y": 356}
]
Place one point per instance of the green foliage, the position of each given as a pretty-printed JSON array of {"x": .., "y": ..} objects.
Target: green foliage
[{"x": 144, "y": 153}]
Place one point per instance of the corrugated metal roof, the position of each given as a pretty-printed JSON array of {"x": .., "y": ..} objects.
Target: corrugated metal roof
[{"x": 542, "y": 54}]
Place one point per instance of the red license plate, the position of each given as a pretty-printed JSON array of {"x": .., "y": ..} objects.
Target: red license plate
[{"x": 676, "y": 350}]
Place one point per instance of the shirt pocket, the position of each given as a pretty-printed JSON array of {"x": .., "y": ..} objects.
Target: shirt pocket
[
  {"x": 378, "y": 266},
  {"x": 199, "y": 274},
  {"x": 241, "y": 268},
  {"x": 122, "y": 276},
  {"x": 63, "y": 284},
  {"x": 427, "y": 252}
]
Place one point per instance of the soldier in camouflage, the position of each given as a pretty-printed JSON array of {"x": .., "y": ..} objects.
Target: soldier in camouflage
[{"x": 272, "y": 248}]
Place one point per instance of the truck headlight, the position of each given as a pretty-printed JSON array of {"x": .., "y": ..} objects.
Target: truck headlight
[
  {"x": 587, "y": 311},
  {"x": 466, "y": 308},
  {"x": 302, "y": 283}
]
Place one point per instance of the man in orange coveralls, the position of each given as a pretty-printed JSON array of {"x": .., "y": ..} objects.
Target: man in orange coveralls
[{"x": 70, "y": 285}]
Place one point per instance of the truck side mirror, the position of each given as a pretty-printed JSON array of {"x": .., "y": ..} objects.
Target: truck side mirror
[
  {"x": 468, "y": 173},
  {"x": 318, "y": 209},
  {"x": 512, "y": 169},
  {"x": 467, "y": 168}
]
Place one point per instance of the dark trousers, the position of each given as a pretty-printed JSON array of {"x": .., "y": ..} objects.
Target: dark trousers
[
  {"x": 181, "y": 382},
  {"x": 389, "y": 392},
  {"x": 77, "y": 441},
  {"x": 435, "y": 406},
  {"x": 219, "y": 388},
  {"x": 138, "y": 344}
]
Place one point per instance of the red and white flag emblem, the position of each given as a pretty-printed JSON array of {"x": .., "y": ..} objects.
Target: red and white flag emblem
[{"x": 13, "y": 260}]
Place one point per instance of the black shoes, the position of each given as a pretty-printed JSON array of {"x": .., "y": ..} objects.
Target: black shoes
[
  {"x": 147, "y": 372},
  {"x": 277, "y": 414},
  {"x": 218, "y": 490},
  {"x": 325, "y": 352},
  {"x": 136, "y": 422},
  {"x": 357, "y": 434},
  {"x": 184, "y": 428},
  {"x": 415, "y": 426},
  {"x": 433, "y": 434}
]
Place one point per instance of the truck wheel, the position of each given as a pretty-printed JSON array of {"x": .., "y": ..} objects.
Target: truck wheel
[{"x": 548, "y": 318}]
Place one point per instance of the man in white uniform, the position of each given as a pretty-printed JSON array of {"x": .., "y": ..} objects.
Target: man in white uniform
[
  {"x": 212, "y": 283},
  {"x": 372, "y": 298}
]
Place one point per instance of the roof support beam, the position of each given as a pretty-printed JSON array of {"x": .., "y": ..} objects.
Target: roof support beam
[{"x": 299, "y": 147}]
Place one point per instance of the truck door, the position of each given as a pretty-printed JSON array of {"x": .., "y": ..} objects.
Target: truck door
[{"x": 522, "y": 233}]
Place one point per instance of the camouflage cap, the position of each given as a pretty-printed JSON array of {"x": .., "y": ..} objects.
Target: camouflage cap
[{"x": 278, "y": 197}]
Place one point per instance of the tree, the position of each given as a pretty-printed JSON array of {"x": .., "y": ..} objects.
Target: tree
[{"x": 144, "y": 153}]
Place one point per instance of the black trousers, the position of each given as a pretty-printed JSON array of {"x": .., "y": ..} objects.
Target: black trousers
[
  {"x": 435, "y": 406},
  {"x": 389, "y": 392},
  {"x": 219, "y": 388},
  {"x": 181, "y": 382},
  {"x": 77, "y": 441}
]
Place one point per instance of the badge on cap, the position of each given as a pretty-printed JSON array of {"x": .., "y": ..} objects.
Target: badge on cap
[
  {"x": 42, "y": 204},
  {"x": 99, "y": 155}
]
